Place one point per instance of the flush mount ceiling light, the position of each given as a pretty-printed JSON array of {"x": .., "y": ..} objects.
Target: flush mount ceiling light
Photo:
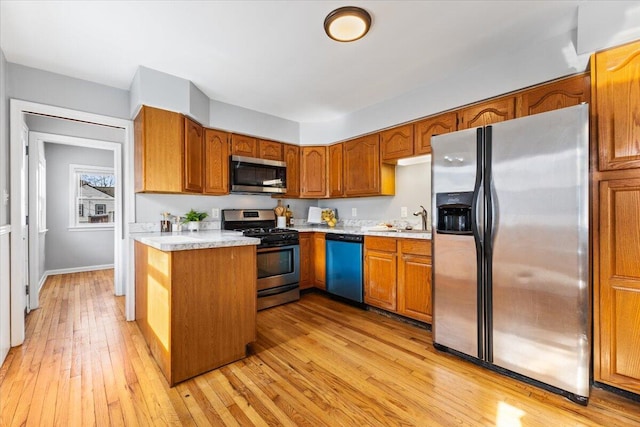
[{"x": 347, "y": 24}]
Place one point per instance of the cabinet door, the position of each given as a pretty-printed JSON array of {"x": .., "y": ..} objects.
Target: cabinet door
[
  {"x": 617, "y": 296},
  {"x": 306, "y": 260},
  {"x": 437, "y": 125},
  {"x": 617, "y": 103},
  {"x": 396, "y": 143},
  {"x": 269, "y": 150},
  {"x": 314, "y": 172},
  {"x": 291, "y": 155},
  {"x": 380, "y": 272},
  {"x": 335, "y": 171},
  {"x": 193, "y": 161},
  {"x": 319, "y": 261},
  {"x": 242, "y": 145},
  {"x": 362, "y": 166},
  {"x": 494, "y": 111},
  {"x": 555, "y": 95},
  {"x": 414, "y": 279},
  {"x": 216, "y": 162},
  {"x": 159, "y": 151}
]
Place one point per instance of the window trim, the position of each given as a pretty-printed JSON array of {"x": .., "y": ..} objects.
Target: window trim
[{"x": 75, "y": 169}]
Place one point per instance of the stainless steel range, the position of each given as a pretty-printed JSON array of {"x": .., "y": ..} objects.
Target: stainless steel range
[{"x": 278, "y": 254}]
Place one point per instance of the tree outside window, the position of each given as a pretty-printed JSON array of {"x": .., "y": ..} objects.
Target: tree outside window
[{"x": 92, "y": 196}]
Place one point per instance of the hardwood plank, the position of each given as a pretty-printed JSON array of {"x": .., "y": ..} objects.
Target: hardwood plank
[{"x": 316, "y": 362}]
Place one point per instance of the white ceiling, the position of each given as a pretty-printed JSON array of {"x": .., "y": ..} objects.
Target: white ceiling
[{"x": 273, "y": 56}]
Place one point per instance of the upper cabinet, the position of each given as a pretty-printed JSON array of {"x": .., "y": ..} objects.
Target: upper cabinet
[
  {"x": 291, "y": 156},
  {"x": 486, "y": 113},
  {"x": 159, "y": 151},
  {"x": 242, "y": 145},
  {"x": 558, "y": 94},
  {"x": 269, "y": 150},
  {"x": 216, "y": 162},
  {"x": 396, "y": 143},
  {"x": 313, "y": 173},
  {"x": 616, "y": 102},
  {"x": 363, "y": 173},
  {"x": 336, "y": 187},
  {"x": 431, "y": 126},
  {"x": 193, "y": 162}
]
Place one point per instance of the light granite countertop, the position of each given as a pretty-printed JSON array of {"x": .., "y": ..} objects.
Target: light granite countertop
[
  {"x": 405, "y": 234},
  {"x": 187, "y": 240}
]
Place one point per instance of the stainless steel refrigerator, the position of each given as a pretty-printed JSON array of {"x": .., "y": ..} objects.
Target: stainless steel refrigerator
[{"x": 511, "y": 249}]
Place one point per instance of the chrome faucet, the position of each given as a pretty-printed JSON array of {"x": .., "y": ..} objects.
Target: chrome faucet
[{"x": 423, "y": 213}]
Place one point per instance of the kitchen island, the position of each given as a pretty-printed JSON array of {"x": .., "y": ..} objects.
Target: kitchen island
[{"x": 195, "y": 299}]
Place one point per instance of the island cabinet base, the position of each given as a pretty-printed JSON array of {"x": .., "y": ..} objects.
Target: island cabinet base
[{"x": 196, "y": 308}]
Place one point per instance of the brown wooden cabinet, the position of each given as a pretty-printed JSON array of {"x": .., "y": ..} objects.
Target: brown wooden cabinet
[
  {"x": 436, "y": 125},
  {"x": 190, "y": 317},
  {"x": 616, "y": 103},
  {"x": 243, "y": 145},
  {"x": 216, "y": 162},
  {"x": 291, "y": 156},
  {"x": 306, "y": 260},
  {"x": 269, "y": 150},
  {"x": 617, "y": 293},
  {"x": 397, "y": 143},
  {"x": 313, "y": 173},
  {"x": 558, "y": 94},
  {"x": 193, "y": 157},
  {"x": 380, "y": 272},
  {"x": 336, "y": 188},
  {"x": 414, "y": 279},
  {"x": 319, "y": 261},
  {"x": 486, "y": 113},
  {"x": 159, "y": 151},
  {"x": 363, "y": 173}
]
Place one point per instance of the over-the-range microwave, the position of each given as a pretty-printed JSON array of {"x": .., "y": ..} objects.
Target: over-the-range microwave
[{"x": 250, "y": 175}]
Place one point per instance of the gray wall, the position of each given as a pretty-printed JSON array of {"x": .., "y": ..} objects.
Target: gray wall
[
  {"x": 31, "y": 84},
  {"x": 58, "y": 126},
  {"x": 4, "y": 141},
  {"x": 65, "y": 249}
]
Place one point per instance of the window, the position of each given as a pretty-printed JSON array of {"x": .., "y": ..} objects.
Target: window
[{"x": 92, "y": 197}]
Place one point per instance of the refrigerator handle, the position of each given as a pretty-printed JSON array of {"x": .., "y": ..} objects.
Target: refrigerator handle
[
  {"x": 488, "y": 247},
  {"x": 476, "y": 219}
]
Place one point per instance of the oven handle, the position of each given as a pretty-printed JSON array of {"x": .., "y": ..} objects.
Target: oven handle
[{"x": 276, "y": 248}]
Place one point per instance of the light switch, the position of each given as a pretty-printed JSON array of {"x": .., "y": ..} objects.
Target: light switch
[
  {"x": 354, "y": 212},
  {"x": 403, "y": 212},
  {"x": 215, "y": 213}
]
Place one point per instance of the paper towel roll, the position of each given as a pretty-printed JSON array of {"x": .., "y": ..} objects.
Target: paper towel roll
[{"x": 281, "y": 222}]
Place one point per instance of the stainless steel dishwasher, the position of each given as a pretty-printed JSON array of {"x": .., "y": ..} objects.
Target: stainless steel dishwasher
[{"x": 344, "y": 265}]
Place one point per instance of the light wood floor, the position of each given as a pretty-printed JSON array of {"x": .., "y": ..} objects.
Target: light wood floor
[{"x": 316, "y": 362}]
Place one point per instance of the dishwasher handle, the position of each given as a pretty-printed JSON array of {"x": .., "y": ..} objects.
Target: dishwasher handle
[{"x": 350, "y": 238}]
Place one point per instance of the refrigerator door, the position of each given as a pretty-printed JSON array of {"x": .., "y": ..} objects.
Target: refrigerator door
[
  {"x": 455, "y": 273},
  {"x": 540, "y": 303}
]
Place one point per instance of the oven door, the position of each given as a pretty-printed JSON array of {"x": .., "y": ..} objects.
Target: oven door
[{"x": 278, "y": 266}]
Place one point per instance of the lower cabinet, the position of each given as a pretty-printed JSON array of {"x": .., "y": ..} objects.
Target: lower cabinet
[
  {"x": 617, "y": 287},
  {"x": 398, "y": 276},
  {"x": 319, "y": 261},
  {"x": 306, "y": 257},
  {"x": 414, "y": 279}
]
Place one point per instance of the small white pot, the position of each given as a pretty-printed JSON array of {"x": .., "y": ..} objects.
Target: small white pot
[{"x": 193, "y": 225}]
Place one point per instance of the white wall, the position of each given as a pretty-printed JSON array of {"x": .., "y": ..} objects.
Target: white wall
[
  {"x": 66, "y": 249},
  {"x": 5, "y": 278}
]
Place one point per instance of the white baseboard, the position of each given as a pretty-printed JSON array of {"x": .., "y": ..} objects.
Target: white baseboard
[{"x": 71, "y": 270}]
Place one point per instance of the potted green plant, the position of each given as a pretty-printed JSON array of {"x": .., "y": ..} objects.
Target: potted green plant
[{"x": 192, "y": 219}]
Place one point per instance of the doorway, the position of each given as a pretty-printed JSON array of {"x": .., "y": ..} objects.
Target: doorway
[{"x": 123, "y": 267}]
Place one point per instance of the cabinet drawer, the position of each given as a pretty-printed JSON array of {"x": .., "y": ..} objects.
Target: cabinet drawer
[
  {"x": 416, "y": 247},
  {"x": 387, "y": 244}
]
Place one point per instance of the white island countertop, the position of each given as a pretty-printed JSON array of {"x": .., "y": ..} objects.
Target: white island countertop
[{"x": 188, "y": 240}]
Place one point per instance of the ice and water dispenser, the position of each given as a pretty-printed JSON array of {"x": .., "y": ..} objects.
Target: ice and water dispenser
[{"x": 454, "y": 212}]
